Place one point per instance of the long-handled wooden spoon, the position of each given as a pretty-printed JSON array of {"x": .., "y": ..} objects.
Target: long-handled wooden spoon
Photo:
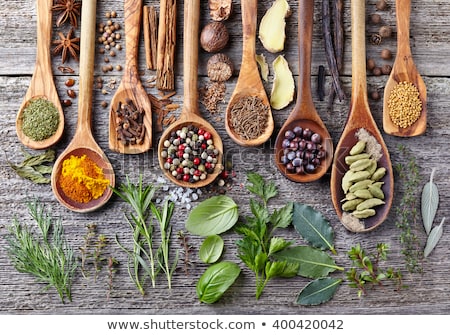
[
  {"x": 190, "y": 114},
  {"x": 83, "y": 142},
  {"x": 304, "y": 113},
  {"x": 249, "y": 82},
  {"x": 42, "y": 84},
  {"x": 360, "y": 117},
  {"x": 131, "y": 86},
  {"x": 404, "y": 70}
]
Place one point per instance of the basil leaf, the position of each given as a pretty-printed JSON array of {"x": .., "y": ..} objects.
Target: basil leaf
[
  {"x": 433, "y": 238},
  {"x": 318, "y": 291},
  {"x": 430, "y": 202},
  {"x": 211, "y": 249},
  {"x": 313, "y": 227},
  {"x": 216, "y": 280},
  {"x": 212, "y": 216},
  {"x": 314, "y": 263}
]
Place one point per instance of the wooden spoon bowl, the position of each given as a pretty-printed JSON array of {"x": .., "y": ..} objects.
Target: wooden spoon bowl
[
  {"x": 404, "y": 70},
  {"x": 190, "y": 115},
  {"x": 131, "y": 86},
  {"x": 304, "y": 113},
  {"x": 83, "y": 142},
  {"x": 249, "y": 82},
  {"x": 360, "y": 117},
  {"x": 42, "y": 84}
]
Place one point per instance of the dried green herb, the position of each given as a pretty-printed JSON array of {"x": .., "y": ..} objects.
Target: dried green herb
[
  {"x": 49, "y": 257},
  {"x": 34, "y": 167},
  {"x": 40, "y": 119},
  {"x": 407, "y": 214}
]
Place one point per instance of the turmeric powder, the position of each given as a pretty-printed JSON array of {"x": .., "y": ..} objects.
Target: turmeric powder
[{"x": 82, "y": 180}]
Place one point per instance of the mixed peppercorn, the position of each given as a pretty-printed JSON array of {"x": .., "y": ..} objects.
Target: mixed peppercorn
[{"x": 189, "y": 154}]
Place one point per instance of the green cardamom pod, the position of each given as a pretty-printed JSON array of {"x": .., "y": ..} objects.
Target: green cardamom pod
[
  {"x": 364, "y": 213},
  {"x": 351, "y": 159},
  {"x": 350, "y": 205},
  {"x": 372, "y": 167},
  {"x": 358, "y": 176},
  {"x": 363, "y": 194},
  {"x": 358, "y": 148},
  {"x": 361, "y": 185},
  {"x": 360, "y": 165},
  {"x": 369, "y": 203},
  {"x": 378, "y": 174},
  {"x": 376, "y": 191}
]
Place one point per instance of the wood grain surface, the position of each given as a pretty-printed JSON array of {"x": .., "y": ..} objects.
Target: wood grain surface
[{"x": 426, "y": 293}]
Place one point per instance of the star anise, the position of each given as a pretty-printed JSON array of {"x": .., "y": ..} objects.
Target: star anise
[
  {"x": 69, "y": 9},
  {"x": 67, "y": 46}
]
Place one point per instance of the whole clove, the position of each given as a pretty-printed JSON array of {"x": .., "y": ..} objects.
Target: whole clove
[{"x": 130, "y": 123}]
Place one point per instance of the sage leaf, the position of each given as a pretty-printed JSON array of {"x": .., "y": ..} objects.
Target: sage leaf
[
  {"x": 211, "y": 249},
  {"x": 216, "y": 280},
  {"x": 314, "y": 263},
  {"x": 318, "y": 291},
  {"x": 212, "y": 216},
  {"x": 313, "y": 227},
  {"x": 433, "y": 238},
  {"x": 430, "y": 202}
]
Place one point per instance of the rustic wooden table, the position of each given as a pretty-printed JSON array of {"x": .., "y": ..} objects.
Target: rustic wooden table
[{"x": 426, "y": 293}]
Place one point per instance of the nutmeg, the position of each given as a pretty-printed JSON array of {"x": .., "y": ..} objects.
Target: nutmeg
[
  {"x": 214, "y": 36},
  {"x": 219, "y": 67},
  {"x": 220, "y": 10}
]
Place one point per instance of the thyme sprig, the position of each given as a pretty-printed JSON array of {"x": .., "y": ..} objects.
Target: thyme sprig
[
  {"x": 407, "y": 213},
  {"x": 49, "y": 258}
]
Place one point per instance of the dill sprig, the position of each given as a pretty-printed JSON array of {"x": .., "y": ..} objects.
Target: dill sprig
[
  {"x": 49, "y": 258},
  {"x": 407, "y": 212}
]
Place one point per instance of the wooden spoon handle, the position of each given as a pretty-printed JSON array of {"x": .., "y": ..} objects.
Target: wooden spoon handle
[
  {"x": 249, "y": 19},
  {"x": 133, "y": 17},
  {"x": 87, "y": 54},
  {"x": 359, "y": 80},
  {"x": 44, "y": 33},
  {"x": 403, "y": 13},
  {"x": 305, "y": 30},
  {"x": 190, "y": 55}
]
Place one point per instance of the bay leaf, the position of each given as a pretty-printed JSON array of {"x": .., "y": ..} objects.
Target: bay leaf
[
  {"x": 430, "y": 202},
  {"x": 211, "y": 249},
  {"x": 313, "y": 227},
  {"x": 212, "y": 216},
  {"x": 318, "y": 291},
  {"x": 433, "y": 238},
  {"x": 314, "y": 263}
]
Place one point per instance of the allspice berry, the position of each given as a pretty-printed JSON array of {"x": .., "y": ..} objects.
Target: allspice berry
[
  {"x": 375, "y": 95},
  {"x": 375, "y": 18},
  {"x": 381, "y": 5},
  {"x": 370, "y": 64},
  {"x": 377, "y": 71},
  {"x": 214, "y": 36},
  {"x": 386, "y": 54},
  {"x": 385, "y": 31},
  {"x": 386, "y": 69}
]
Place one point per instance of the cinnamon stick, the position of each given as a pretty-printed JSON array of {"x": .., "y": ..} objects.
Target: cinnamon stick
[
  {"x": 150, "y": 36},
  {"x": 165, "y": 76}
]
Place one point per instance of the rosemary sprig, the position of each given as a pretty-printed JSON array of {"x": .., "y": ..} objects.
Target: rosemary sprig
[
  {"x": 407, "y": 212},
  {"x": 49, "y": 258},
  {"x": 140, "y": 199}
]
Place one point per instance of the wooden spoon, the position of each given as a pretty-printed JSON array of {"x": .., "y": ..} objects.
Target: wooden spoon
[
  {"x": 83, "y": 142},
  {"x": 360, "y": 117},
  {"x": 249, "y": 82},
  {"x": 404, "y": 69},
  {"x": 42, "y": 84},
  {"x": 304, "y": 113},
  {"x": 131, "y": 86},
  {"x": 190, "y": 114}
]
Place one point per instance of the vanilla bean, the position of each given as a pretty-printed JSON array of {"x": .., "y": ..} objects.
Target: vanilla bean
[{"x": 321, "y": 82}]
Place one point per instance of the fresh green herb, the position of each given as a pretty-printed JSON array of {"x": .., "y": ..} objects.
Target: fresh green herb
[
  {"x": 216, "y": 280},
  {"x": 213, "y": 216},
  {"x": 433, "y": 238},
  {"x": 313, "y": 227},
  {"x": 366, "y": 271},
  {"x": 100, "y": 245},
  {"x": 34, "y": 167},
  {"x": 314, "y": 263},
  {"x": 430, "y": 202},
  {"x": 112, "y": 268},
  {"x": 40, "y": 119},
  {"x": 140, "y": 199},
  {"x": 163, "y": 217},
  {"x": 49, "y": 258},
  {"x": 318, "y": 291},
  {"x": 86, "y": 248},
  {"x": 258, "y": 244},
  {"x": 407, "y": 211},
  {"x": 211, "y": 249}
]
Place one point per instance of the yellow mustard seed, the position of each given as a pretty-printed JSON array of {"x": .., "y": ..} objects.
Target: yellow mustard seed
[{"x": 404, "y": 104}]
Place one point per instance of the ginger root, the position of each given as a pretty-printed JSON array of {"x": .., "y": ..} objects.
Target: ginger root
[
  {"x": 263, "y": 67},
  {"x": 283, "y": 84},
  {"x": 273, "y": 25}
]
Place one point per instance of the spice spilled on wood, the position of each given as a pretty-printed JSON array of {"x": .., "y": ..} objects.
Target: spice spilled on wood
[
  {"x": 248, "y": 117},
  {"x": 81, "y": 179},
  {"x": 404, "y": 104},
  {"x": 40, "y": 119}
]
